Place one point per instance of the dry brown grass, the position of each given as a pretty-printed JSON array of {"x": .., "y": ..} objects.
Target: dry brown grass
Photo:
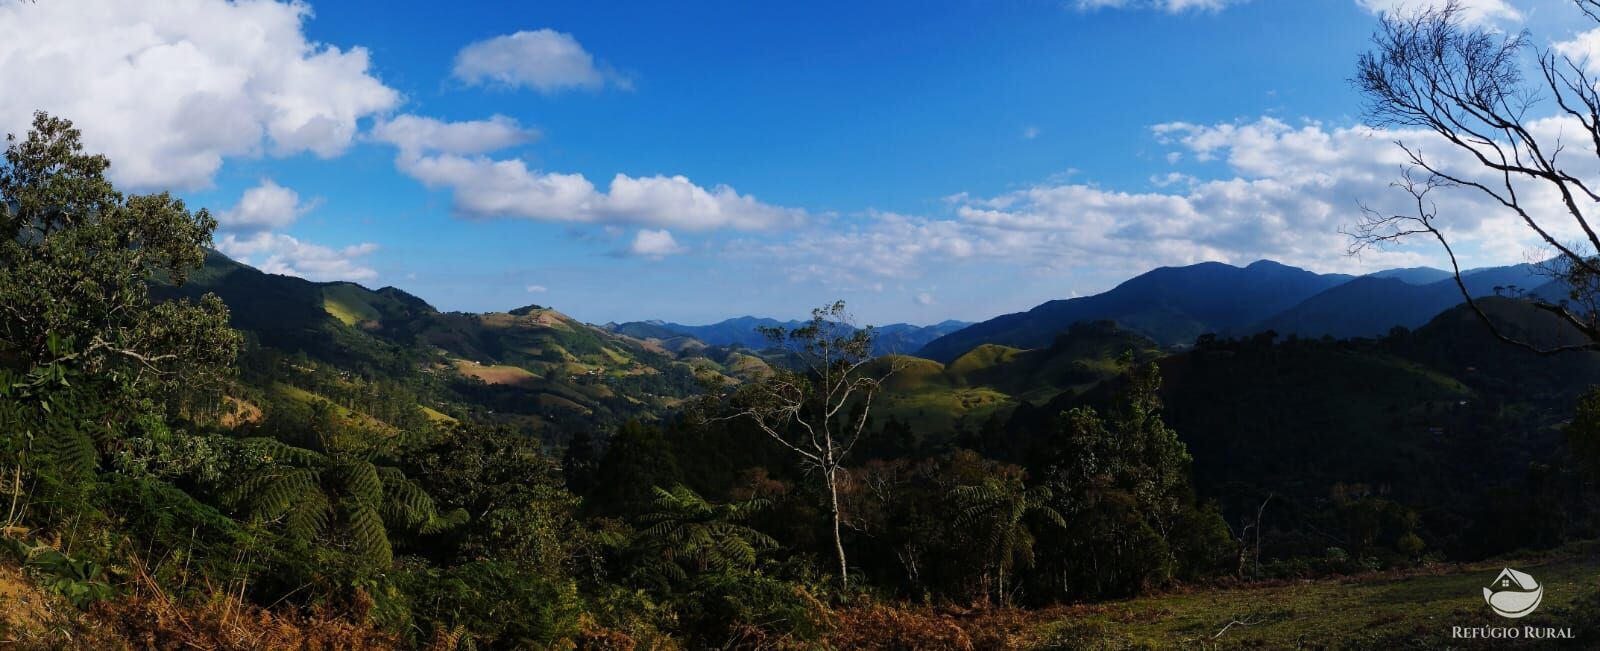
[
  {"x": 238, "y": 412},
  {"x": 146, "y": 618},
  {"x": 881, "y": 627}
]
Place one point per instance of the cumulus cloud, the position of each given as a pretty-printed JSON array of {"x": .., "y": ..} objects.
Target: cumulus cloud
[
  {"x": 485, "y": 187},
  {"x": 536, "y": 289},
  {"x": 544, "y": 59},
  {"x": 654, "y": 245},
  {"x": 416, "y": 134},
  {"x": 1271, "y": 190},
  {"x": 264, "y": 207},
  {"x": 923, "y": 297},
  {"x": 1583, "y": 50},
  {"x": 283, "y": 254},
  {"x": 1473, "y": 12},
  {"x": 169, "y": 89}
]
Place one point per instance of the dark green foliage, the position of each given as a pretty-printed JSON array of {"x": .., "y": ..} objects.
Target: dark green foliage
[
  {"x": 717, "y": 572},
  {"x": 497, "y": 603},
  {"x": 1583, "y": 433},
  {"x": 637, "y": 460},
  {"x": 74, "y": 258},
  {"x": 998, "y": 511},
  {"x": 336, "y": 490},
  {"x": 685, "y": 536},
  {"x": 1122, "y": 481}
]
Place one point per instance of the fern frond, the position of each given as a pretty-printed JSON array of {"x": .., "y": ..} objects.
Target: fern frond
[
  {"x": 277, "y": 490},
  {"x": 271, "y": 450},
  {"x": 309, "y": 516},
  {"x": 405, "y": 504},
  {"x": 72, "y": 449},
  {"x": 360, "y": 481},
  {"x": 447, "y": 521},
  {"x": 365, "y": 527}
]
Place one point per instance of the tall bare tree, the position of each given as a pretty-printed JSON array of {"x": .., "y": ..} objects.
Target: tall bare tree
[
  {"x": 817, "y": 405},
  {"x": 1474, "y": 87}
]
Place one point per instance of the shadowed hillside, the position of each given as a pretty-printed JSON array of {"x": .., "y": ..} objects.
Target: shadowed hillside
[
  {"x": 1370, "y": 306},
  {"x": 1170, "y": 305}
]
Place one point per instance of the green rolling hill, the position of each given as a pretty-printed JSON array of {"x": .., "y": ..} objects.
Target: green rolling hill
[{"x": 529, "y": 367}]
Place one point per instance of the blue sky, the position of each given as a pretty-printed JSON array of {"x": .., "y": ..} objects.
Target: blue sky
[{"x": 923, "y": 161}]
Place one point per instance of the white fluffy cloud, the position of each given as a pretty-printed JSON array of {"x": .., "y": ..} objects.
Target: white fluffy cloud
[
  {"x": 654, "y": 245},
  {"x": 1473, "y": 12},
  {"x": 416, "y": 134},
  {"x": 544, "y": 59},
  {"x": 283, "y": 254},
  {"x": 536, "y": 289},
  {"x": 264, "y": 207},
  {"x": 1275, "y": 190},
  {"x": 169, "y": 89},
  {"x": 1286, "y": 194},
  {"x": 1583, "y": 50},
  {"x": 442, "y": 156}
]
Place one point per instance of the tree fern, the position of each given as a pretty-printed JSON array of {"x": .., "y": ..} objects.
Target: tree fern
[
  {"x": 336, "y": 492},
  {"x": 360, "y": 481},
  {"x": 364, "y": 526},
  {"x": 999, "y": 509},
  {"x": 70, "y": 447},
  {"x": 688, "y": 535}
]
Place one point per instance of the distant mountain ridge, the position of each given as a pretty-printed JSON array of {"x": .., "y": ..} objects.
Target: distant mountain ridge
[
  {"x": 1371, "y": 305},
  {"x": 1173, "y": 305},
  {"x": 895, "y": 338},
  {"x": 1170, "y": 305}
]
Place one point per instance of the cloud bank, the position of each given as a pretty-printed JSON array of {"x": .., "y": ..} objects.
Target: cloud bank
[{"x": 169, "y": 89}]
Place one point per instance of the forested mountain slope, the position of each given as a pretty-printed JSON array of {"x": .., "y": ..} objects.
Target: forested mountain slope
[{"x": 1170, "y": 305}]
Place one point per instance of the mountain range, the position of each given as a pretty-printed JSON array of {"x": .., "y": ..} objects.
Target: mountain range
[
  {"x": 744, "y": 332},
  {"x": 566, "y": 369},
  {"x": 1174, "y": 305}
]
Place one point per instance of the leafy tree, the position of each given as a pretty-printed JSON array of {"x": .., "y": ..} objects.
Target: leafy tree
[
  {"x": 75, "y": 258},
  {"x": 1122, "y": 479},
  {"x": 1000, "y": 508},
  {"x": 83, "y": 349},
  {"x": 578, "y": 463},
  {"x": 638, "y": 459}
]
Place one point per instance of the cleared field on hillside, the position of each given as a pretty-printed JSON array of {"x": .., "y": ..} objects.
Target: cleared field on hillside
[{"x": 494, "y": 374}]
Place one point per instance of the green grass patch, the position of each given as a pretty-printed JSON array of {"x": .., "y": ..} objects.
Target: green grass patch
[
  {"x": 348, "y": 304},
  {"x": 436, "y": 416},
  {"x": 1379, "y": 611}
]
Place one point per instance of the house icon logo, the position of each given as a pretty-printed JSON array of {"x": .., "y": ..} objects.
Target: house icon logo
[{"x": 1513, "y": 594}]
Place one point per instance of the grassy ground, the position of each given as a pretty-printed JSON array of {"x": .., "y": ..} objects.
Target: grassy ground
[
  {"x": 347, "y": 303},
  {"x": 1379, "y": 611},
  {"x": 494, "y": 373},
  {"x": 436, "y": 416}
]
